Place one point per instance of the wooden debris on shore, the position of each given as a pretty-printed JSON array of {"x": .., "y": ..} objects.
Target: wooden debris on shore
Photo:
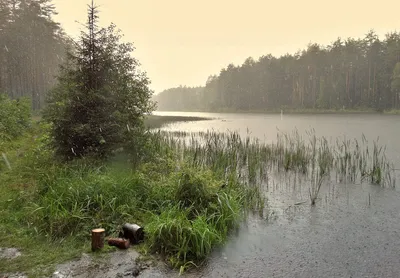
[
  {"x": 120, "y": 243},
  {"x": 97, "y": 239},
  {"x": 130, "y": 234}
]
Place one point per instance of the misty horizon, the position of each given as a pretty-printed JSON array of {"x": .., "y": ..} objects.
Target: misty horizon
[{"x": 178, "y": 47}]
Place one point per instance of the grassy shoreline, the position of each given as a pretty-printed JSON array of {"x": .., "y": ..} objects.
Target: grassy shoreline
[{"x": 47, "y": 208}]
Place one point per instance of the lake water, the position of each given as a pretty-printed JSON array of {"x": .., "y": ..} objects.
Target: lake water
[{"x": 353, "y": 231}]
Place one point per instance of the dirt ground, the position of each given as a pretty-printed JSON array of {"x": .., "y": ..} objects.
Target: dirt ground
[{"x": 118, "y": 264}]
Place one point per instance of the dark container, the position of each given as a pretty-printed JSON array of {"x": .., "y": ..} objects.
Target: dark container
[{"x": 133, "y": 232}]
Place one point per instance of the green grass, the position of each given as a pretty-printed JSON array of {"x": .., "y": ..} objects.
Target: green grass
[{"x": 48, "y": 208}]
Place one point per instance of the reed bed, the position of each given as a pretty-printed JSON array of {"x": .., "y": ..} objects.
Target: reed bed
[{"x": 315, "y": 158}]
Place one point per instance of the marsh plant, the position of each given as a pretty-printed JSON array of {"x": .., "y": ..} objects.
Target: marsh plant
[{"x": 315, "y": 158}]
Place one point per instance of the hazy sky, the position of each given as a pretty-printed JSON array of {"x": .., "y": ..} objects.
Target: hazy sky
[{"x": 184, "y": 41}]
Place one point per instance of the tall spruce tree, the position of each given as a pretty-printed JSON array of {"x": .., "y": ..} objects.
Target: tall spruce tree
[{"x": 101, "y": 97}]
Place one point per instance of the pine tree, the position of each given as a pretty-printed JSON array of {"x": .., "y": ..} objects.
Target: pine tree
[{"x": 100, "y": 99}]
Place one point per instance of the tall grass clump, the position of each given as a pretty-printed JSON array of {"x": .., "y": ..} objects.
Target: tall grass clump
[
  {"x": 356, "y": 162},
  {"x": 75, "y": 198},
  {"x": 203, "y": 211}
]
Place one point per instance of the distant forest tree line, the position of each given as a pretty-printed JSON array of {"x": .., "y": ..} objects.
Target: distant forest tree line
[
  {"x": 351, "y": 74},
  {"x": 32, "y": 46},
  {"x": 180, "y": 98}
]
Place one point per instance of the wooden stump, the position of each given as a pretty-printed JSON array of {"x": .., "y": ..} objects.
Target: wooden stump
[
  {"x": 119, "y": 242},
  {"x": 97, "y": 239}
]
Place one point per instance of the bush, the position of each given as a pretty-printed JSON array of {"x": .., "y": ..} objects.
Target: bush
[{"x": 15, "y": 117}]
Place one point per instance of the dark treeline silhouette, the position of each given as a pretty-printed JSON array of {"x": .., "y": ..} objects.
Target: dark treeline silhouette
[
  {"x": 32, "y": 46},
  {"x": 351, "y": 74}
]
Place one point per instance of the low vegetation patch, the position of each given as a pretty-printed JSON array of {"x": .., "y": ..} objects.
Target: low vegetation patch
[
  {"x": 14, "y": 117},
  {"x": 48, "y": 205}
]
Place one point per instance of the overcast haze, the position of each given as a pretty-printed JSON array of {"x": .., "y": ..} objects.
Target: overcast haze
[{"x": 183, "y": 42}]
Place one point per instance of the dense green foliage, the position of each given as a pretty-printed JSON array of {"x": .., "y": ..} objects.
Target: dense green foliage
[
  {"x": 100, "y": 99},
  {"x": 15, "y": 117},
  {"x": 186, "y": 210},
  {"x": 350, "y": 74},
  {"x": 32, "y": 46}
]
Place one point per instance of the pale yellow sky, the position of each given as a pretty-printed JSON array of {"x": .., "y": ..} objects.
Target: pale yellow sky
[{"x": 183, "y": 41}]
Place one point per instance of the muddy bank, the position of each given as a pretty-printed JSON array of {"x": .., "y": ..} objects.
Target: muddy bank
[
  {"x": 121, "y": 263},
  {"x": 117, "y": 264}
]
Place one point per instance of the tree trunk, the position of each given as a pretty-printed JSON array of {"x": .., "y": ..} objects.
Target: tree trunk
[{"x": 97, "y": 239}]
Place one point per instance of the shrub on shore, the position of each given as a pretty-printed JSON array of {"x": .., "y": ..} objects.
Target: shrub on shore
[{"x": 15, "y": 117}]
